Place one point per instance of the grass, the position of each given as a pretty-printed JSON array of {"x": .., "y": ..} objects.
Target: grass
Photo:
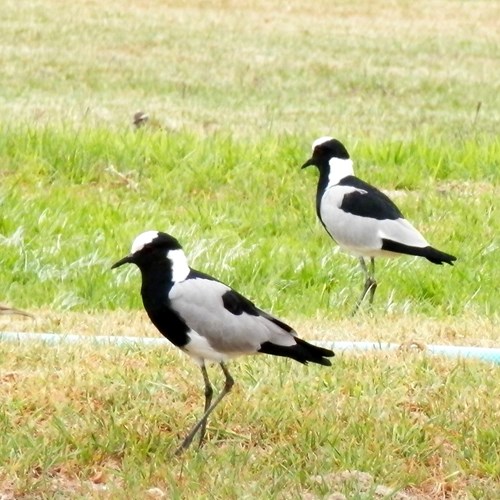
[
  {"x": 368, "y": 69},
  {"x": 237, "y": 92},
  {"x": 233, "y": 204},
  {"x": 98, "y": 422}
]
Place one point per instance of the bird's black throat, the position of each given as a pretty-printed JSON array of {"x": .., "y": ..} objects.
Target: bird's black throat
[
  {"x": 156, "y": 285},
  {"x": 324, "y": 173}
]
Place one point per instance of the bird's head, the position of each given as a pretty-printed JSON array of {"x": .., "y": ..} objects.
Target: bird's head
[
  {"x": 324, "y": 150},
  {"x": 152, "y": 250}
]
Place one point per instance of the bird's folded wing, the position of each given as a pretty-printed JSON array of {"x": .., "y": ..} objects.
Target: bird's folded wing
[
  {"x": 401, "y": 231},
  {"x": 226, "y": 319},
  {"x": 360, "y": 219}
]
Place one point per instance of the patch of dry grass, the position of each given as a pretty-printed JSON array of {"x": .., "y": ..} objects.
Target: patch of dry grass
[
  {"x": 366, "y": 68},
  {"x": 464, "y": 330},
  {"x": 104, "y": 421}
]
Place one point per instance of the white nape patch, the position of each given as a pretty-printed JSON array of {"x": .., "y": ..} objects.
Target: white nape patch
[
  {"x": 320, "y": 141},
  {"x": 142, "y": 240},
  {"x": 180, "y": 266},
  {"x": 339, "y": 169}
]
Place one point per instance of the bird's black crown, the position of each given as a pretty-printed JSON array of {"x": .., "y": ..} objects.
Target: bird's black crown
[
  {"x": 331, "y": 149},
  {"x": 164, "y": 241}
]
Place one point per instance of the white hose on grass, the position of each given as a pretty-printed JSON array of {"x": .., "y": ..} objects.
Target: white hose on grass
[{"x": 491, "y": 354}]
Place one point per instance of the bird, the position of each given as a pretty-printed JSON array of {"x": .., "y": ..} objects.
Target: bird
[
  {"x": 207, "y": 319},
  {"x": 361, "y": 219}
]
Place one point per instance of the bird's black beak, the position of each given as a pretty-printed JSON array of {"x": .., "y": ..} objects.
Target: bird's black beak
[
  {"x": 308, "y": 163},
  {"x": 126, "y": 260}
]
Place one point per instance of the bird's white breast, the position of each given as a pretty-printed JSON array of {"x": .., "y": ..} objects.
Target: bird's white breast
[{"x": 200, "y": 349}]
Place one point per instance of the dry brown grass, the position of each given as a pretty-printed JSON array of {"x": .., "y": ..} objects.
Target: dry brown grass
[
  {"x": 464, "y": 330},
  {"x": 98, "y": 422},
  {"x": 248, "y": 66}
]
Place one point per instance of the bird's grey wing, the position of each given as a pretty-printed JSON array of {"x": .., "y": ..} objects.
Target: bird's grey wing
[
  {"x": 226, "y": 319},
  {"x": 401, "y": 231}
]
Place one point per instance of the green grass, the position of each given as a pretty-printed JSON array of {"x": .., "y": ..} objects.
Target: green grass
[
  {"x": 244, "y": 212},
  {"x": 237, "y": 91},
  {"x": 95, "y": 421}
]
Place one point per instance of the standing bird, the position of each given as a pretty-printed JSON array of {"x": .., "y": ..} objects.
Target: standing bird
[
  {"x": 207, "y": 319},
  {"x": 361, "y": 219}
]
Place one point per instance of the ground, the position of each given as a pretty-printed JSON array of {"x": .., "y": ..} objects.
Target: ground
[{"x": 236, "y": 92}]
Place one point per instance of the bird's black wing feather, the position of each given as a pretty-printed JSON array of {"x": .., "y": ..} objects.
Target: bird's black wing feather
[
  {"x": 372, "y": 203},
  {"x": 237, "y": 304}
]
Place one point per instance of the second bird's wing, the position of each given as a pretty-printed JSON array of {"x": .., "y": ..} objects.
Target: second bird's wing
[{"x": 360, "y": 217}]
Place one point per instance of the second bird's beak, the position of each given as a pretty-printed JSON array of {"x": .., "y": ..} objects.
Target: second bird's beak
[
  {"x": 308, "y": 163},
  {"x": 126, "y": 260}
]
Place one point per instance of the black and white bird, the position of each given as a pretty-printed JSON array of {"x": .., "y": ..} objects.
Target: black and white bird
[
  {"x": 361, "y": 219},
  {"x": 207, "y": 319}
]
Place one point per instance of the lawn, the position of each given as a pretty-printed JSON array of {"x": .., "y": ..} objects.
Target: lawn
[{"x": 236, "y": 92}]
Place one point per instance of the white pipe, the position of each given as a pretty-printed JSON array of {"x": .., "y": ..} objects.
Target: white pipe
[{"x": 484, "y": 353}]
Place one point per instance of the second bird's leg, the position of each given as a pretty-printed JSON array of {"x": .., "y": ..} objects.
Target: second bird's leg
[
  {"x": 227, "y": 387},
  {"x": 370, "y": 283},
  {"x": 208, "y": 399},
  {"x": 371, "y": 280}
]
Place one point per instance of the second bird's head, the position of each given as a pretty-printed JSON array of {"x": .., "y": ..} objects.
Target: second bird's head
[
  {"x": 153, "y": 251},
  {"x": 324, "y": 150}
]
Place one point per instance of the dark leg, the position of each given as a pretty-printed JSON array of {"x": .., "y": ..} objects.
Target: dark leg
[
  {"x": 370, "y": 283},
  {"x": 208, "y": 399},
  {"x": 227, "y": 387},
  {"x": 371, "y": 280}
]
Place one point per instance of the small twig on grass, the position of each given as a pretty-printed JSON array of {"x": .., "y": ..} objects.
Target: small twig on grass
[
  {"x": 478, "y": 109},
  {"x": 12, "y": 310},
  {"x": 140, "y": 119},
  {"x": 126, "y": 180}
]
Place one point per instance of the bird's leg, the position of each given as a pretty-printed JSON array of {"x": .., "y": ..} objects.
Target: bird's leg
[
  {"x": 371, "y": 280},
  {"x": 208, "y": 399},
  {"x": 227, "y": 387},
  {"x": 370, "y": 283}
]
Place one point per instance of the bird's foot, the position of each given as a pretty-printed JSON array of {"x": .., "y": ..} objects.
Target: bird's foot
[
  {"x": 370, "y": 287},
  {"x": 185, "y": 444}
]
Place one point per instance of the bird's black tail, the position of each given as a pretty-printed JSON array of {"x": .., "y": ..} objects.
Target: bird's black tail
[
  {"x": 430, "y": 253},
  {"x": 302, "y": 351},
  {"x": 438, "y": 257}
]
